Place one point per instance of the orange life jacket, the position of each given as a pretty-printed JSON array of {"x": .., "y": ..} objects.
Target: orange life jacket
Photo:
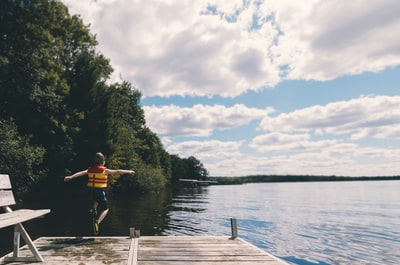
[{"x": 97, "y": 177}]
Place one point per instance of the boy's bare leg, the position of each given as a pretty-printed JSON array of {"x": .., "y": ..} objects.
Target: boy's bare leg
[
  {"x": 93, "y": 211},
  {"x": 102, "y": 215}
]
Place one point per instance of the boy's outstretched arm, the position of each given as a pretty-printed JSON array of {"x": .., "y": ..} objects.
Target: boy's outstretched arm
[
  {"x": 77, "y": 174},
  {"x": 119, "y": 171}
]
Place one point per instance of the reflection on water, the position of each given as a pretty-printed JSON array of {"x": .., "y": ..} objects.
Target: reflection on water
[
  {"x": 303, "y": 223},
  {"x": 186, "y": 204}
]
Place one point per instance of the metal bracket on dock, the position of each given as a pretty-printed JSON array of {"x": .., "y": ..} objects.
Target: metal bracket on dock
[{"x": 134, "y": 233}]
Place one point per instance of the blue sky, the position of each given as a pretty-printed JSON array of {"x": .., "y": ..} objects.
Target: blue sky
[{"x": 262, "y": 87}]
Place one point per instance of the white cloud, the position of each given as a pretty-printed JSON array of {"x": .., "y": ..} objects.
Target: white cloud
[
  {"x": 229, "y": 47},
  {"x": 323, "y": 40},
  {"x": 356, "y": 161},
  {"x": 207, "y": 150},
  {"x": 386, "y": 132},
  {"x": 290, "y": 146},
  {"x": 199, "y": 120},
  {"x": 326, "y": 157},
  {"x": 178, "y": 48},
  {"x": 376, "y": 116},
  {"x": 289, "y": 142}
]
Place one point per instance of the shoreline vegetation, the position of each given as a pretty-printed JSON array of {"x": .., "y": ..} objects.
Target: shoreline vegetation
[{"x": 221, "y": 180}]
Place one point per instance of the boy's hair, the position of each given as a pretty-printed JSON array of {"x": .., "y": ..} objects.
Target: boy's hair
[{"x": 98, "y": 159}]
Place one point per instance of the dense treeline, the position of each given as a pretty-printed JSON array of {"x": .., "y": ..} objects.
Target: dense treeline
[
  {"x": 57, "y": 108},
  {"x": 292, "y": 178}
]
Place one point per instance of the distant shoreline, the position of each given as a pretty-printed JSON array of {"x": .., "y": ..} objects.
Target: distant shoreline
[{"x": 221, "y": 180}]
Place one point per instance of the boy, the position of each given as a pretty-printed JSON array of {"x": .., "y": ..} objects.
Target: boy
[{"x": 98, "y": 180}]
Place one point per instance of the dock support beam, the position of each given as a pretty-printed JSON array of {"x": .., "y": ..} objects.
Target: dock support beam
[
  {"x": 234, "y": 228},
  {"x": 134, "y": 246}
]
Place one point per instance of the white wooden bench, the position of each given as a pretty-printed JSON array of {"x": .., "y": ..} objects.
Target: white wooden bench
[{"x": 10, "y": 217}]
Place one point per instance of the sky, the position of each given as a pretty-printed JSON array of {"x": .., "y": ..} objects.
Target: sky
[{"x": 307, "y": 87}]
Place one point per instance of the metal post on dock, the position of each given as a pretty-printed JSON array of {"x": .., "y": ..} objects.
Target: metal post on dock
[
  {"x": 137, "y": 233},
  {"x": 234, "y": 228},
  {"x": 134, "y": 233}
]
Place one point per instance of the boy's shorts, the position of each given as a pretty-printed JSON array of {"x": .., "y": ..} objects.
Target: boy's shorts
[{"x": 100, "y": 197}]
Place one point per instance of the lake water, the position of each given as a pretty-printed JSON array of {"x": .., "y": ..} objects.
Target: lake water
[{"x": 302, "y": 223}]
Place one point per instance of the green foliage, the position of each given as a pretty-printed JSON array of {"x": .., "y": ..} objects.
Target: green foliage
[
  {"x": 146, "y": 179},
  {"x": 178, "y": 169},
  {"x": 150, "y": 147},
  {"x": 165, "y": 161},
  {"x": 38, "y": 49},
  {"x": 124, "y": 117},
  {"x": 189, "y": 168},
  {"x": 195, "y": 169},
  {"x": 18, "y": 158}
]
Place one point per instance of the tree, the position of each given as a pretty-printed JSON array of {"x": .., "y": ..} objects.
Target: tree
[
  {"x": 195, "y": 169},
  {"x": 39, "y": 46},
  {"x": 150, "y": 147},
  {"x": 190, "y": 168},
  {"x": 88, "y": 104},
  {"x": 166, "y": 165},
  {"x": 124, "y": 119},
  {"x": 19, "y": 158},
  {"x": 178, "y": 169}
]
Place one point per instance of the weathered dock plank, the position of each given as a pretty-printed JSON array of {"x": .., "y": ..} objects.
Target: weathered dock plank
[
  {"x": 80, "y": 250},
  {"x": 149, "y": 250},
  {"x": 201, "y": 250}
]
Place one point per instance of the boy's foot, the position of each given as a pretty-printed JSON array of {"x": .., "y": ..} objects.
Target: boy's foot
[{"x": 95, "y": 227}]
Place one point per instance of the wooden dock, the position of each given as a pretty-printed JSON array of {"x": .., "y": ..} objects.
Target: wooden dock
[{"x": 148, "y": 250}]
